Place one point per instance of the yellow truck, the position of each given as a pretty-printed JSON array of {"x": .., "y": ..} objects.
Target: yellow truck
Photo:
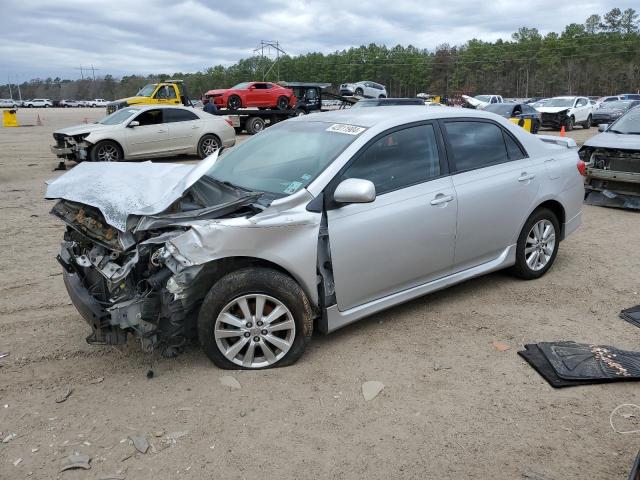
[{"x": 169, "y": 92}]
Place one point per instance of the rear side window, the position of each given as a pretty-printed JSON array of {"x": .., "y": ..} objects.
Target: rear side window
[
  {"x": 513, "y": 149},
  {"x": 150, "y": 117},
  {"x": 178, "y": 115},
  {"x": 477, "y": 144},
  {"x": 399, "y": 159}
]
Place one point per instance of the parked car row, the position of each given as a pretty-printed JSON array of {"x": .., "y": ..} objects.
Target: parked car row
[{"x": 48, "y": 103}]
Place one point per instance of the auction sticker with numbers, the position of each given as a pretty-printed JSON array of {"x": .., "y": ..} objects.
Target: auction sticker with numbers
[{"x": 348, "y": 129}]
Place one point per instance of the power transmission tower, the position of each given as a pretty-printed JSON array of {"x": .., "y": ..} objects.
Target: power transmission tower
[{"x": 273, "y": 49}]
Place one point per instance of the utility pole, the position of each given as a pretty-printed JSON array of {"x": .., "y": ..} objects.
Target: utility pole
[
  {"x": 93, "y": 71},
  {"x": 9, "y": 81},
  {"x": 81, "y": 72}
]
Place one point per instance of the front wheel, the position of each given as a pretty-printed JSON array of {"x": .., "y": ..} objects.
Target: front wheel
[
  {"x": 569, "y": 124},
  {"x": 537, "y": 245},
  {"x": 234, "y": 102},
  {"x": 106, "y": 151},
  {"x": 587, "y": 124},
  {"x": 207, "y": 145},
  {"x": 255, "y": 318},
  {"x": 359, "y": 92}
]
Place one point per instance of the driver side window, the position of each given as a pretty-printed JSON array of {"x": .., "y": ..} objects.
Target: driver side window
[
  {"x": 150, "y": 117},
  {"x": 398, "y": 160}
]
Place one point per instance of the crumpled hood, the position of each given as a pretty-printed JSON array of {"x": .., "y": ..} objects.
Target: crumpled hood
[
  {"x": 552, "y": 109},
  {"x": 120, "y": 190},
  {"x": 474, "y": 102},
  {"x": 614, "y": 140},
  {"x": 82, "y": 128}
]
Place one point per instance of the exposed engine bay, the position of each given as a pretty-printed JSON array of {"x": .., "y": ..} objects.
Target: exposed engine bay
[
  {"x": 613, "y": 177},
  {"x": 127, "y": 282}
]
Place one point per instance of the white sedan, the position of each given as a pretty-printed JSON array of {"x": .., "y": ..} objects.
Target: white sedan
[{"x": 145, "y": 132}]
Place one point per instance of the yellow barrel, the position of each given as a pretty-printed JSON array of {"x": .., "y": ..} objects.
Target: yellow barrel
[{"x": 9, "y": 118}]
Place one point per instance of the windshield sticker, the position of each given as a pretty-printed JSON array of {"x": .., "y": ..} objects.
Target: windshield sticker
[
  {"x": 293, "y": 186},
  {"x": 306, "y": 176},
  {"x": 348, "y": 129}
]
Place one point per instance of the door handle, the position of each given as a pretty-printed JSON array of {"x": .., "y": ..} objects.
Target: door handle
[
  {"x": 525, "y": 177},
  {"x": 162, "y": 131},
  {"x": 441, "y": 199},
  {"x": 193, "y": 127}
]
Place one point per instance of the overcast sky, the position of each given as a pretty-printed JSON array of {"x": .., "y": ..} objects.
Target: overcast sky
[{"x": 44, "y": 38}]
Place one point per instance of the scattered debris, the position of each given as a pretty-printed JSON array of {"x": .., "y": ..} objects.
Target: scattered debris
[
  {"x": 437, "y": 366},
  {"x": 34, "y": 450},
  {"x": 185, "y": 409},
  {"x": 112, "y": 476},
  {"x": 371, "y": 389},
  {"x": 158, "y": 433},
  {"x": 141, "y": 443},
  {"x": 230, "y": 382},
  {"x": 17, "y": 462},
  {"x": 9, "y": 437},
  {"x": 96, "y": 380},
  {"x": 2, "y": 355},
  {"x": 173, "y": 436},
  {"x": 500, "y": 346},
  {"x": 76, "y": 460},
  {"x": 65, "y": 395}
]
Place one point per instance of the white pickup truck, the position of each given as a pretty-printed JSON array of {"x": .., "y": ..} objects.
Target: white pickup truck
[
  {"x": 98, "y": 102},
  {"x": 481, "y": 101}
]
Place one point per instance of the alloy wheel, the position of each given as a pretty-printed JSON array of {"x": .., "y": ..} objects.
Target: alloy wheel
[
  {"x": 209, "y": 146},
  {"x": 108, "y": 153},
  {"x": 254, "y": 331},
  {"x": 540, "y": 245}
]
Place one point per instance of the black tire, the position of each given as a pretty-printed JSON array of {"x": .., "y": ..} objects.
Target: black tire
[
  {"x": 106, "y": 148},
  {"x": 282, "y": 103},
  {"x": 521, "y": 269},
  {"x": 587, "y": 124},
  {"x": 359, "y": 92},
  {"x": 254, "y": 125},
  {"x": 382, "y": 96},
  {"x": 30, "y": 106},
  {"x": 238, "y": 130},
  {"x": 536, "y": 127},
  {"x": 206, "y": 143},
  {"x": 300, "y": 112},
  {"x": 255, "y": 280},
  {"x": 234, "y": 102},
  {"x": 568, "y": 124},
  {"x": 46, "y": 106}
]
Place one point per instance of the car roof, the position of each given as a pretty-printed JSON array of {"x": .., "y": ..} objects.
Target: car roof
[{"x": 370, "y": 117}]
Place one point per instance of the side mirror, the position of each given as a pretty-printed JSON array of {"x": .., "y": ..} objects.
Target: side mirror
[
  {"x": 603, "y": 127},
  {"x": 355, "y": 190},
  {"x": 133, "y": 123},
  {"x": 252, "y": 87}
]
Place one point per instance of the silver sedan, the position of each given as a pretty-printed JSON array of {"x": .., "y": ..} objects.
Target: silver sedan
[
  {"x": 316, "y": 222},
  {"x": 145, "y": 132}
]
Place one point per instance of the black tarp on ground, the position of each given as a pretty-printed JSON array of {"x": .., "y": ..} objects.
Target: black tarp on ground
[
  {"x": 566, "y": 364},
  {"x": 631, "y": 315}
]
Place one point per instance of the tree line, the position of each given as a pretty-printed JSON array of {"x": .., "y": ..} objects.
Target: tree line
[{"x": 598, "y": 57}]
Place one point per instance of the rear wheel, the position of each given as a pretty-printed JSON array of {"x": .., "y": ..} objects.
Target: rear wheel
[
  {"x": 208, "y": 145},
  {"x": 106, "y": 151},
  {"x": 255, "y": 318},
  {"x": 254, "y": 125},
  {"x": 234, "y": 102},
  {"x": 537, "y": 245},
  {"x": 283, "y": 103}
]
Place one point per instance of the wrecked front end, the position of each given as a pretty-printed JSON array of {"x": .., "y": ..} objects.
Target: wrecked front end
[
  {"x": 123, "y": 279},
  {"x": 612, "y": 177},
  {"x": 71, "y": 147},
  {"x": 554, "y": 119}
]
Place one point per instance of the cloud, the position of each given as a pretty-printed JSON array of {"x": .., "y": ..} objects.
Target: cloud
[{"x": 120, "y": 37}]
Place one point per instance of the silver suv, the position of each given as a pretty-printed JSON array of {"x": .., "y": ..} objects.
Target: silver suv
[{"x": 316, "y": 222}]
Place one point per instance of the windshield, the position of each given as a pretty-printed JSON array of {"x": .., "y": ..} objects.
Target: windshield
[
  {"x": 284, "y": 158},
  {"x": 118, "y": 116},
  {"x": 483, "y": 98},
  {"x": 618, "y": 105},
  {"x": 241, "y": 86},
  {"x": 146, "y": 91},
  {"x": 560, "y": 102},
  {"x": 628, "y": 124}
]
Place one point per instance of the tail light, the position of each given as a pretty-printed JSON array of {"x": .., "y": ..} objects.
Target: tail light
[
  {"x": 582, "y": 168},
  {"x": 231, "y": 123}
]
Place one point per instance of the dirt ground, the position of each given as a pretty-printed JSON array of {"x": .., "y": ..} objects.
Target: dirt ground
[{"x": 453, "y": 406}]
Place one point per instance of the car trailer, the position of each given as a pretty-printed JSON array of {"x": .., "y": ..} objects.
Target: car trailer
[{"x": 310, "y": 97}]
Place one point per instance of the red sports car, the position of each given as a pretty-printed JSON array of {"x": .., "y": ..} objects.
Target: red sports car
[{"x": 253, "y": 94}]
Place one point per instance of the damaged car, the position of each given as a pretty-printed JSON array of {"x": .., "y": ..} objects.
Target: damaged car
[
  {"x": 613, "y": 163},
  {"x": 139, "y": 132},
  {"x": 567, "y": 112},
  {"x": 315, "y": 223}
]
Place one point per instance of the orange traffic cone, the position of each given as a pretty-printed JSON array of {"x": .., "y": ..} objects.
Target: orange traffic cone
[
  {"x": 39, "y": 122},
  {"x": 562, "y": 132}
]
